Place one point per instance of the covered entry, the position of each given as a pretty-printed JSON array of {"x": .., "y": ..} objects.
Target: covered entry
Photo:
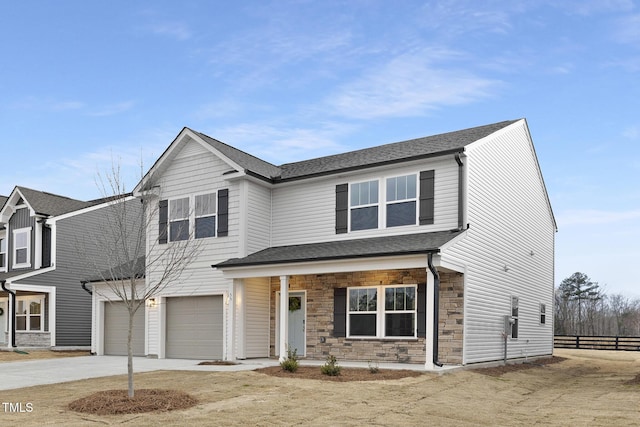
[
  {"x": 116, "y": 326},
  {"x": 195, "y": 327}
]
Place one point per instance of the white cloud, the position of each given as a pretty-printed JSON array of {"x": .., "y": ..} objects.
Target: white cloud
[
  {"x": 280, "y": 145},
  {"x": 628, "y": 29},
  {"x": 48, "y": 104},
  {"x": 409, "y": 85}
]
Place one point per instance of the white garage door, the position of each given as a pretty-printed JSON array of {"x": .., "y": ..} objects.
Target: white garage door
[
  {"x": 194, "y": 327},
  {"x": 116, "y": 325}
]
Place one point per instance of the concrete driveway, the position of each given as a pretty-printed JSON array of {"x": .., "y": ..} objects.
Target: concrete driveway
[{"x": 51, "y": 371}]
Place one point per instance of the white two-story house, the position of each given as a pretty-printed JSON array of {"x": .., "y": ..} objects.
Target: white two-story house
[{"x": 425, "y": 251}]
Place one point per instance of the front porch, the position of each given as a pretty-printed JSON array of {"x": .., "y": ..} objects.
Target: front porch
[
  {"x": 25, "y": 316},
  {"x": 322, "y": 339}
]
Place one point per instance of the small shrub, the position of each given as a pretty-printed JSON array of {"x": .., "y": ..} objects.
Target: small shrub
[
  {"x": 331, "y": 367},
  {"x": 290, "y": 364},
  {"x": 373, "y": 367}
]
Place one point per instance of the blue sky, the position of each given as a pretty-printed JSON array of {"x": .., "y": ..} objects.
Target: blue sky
[{"x": 84, "y": 82}]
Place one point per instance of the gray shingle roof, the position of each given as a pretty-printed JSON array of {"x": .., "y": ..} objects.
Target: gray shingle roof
[
  {"x": 44, "y": 203},
  {"x": 247, "y": 161},
  {"x": 3, "y": 200},
  {"x": 391, "y": 153},
  {"x": 357, "y": 248},
  {"x": 122, "y": 271},
  {"x": 368, "y": 157}
]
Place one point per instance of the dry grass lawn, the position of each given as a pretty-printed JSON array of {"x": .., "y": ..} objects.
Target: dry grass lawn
[
  {"x": 12, "y": 356},
  {"x": 589, "y": 388}
]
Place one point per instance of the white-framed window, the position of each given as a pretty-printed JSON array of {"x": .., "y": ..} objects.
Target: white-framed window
[
  {"x": 3, "y": 254},
  {"x": 205, "y": 215},
  {"x": 363, "y": 205},
  {"x": 543, "y": 314},
  {"x": 402, "y": 201},
  {"x": 514, "y": 315},
  {"x": 179, "y": 219},
  {"x": 382, "y": 311},
  {"x": 21, "y": 248},
  {"x": 29, "y": 311}
]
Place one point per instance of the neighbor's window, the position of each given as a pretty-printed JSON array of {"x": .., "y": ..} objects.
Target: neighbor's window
[
  {"x": 21, "y": 247},
  {"x": 402, "y": 200},
  {"x": 543, "y": 314},
  {"x": 364, "y": 205},
  {"x": 179, "y": 219},
  {"x": 3, "y": 254},
  {"x": 514, "y": 315},
  {"x": 205, "y": 215},
  {"x": 29, "y": 314},
  {"x": 382, "y": 311}
]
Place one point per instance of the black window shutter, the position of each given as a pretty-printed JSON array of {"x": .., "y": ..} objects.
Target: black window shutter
[
  {"x": 421, "y": 316},
  {"x": 163, "y": 213},
  {"x": 340, "y": 312},
  {"x": 46, "y": 246},
  {"x": 426, "y": 197},
  {"x": 223, "y": 212},
  {"x": 342, "y": 208}
]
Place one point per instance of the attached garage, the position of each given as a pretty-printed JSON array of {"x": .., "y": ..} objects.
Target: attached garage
[
  {"x": 194, "y": 327},
  {"x": 116, "y": 326}
]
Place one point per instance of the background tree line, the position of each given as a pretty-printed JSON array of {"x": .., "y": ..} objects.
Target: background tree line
[{"x": 583, "y": 308}]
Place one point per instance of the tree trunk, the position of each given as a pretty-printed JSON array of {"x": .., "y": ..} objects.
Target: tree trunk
[{"x": 130, "y": 354}]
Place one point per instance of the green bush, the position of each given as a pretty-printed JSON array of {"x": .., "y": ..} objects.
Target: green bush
[
  {"x": 331, "y": 367},
  {"x": 290, "y": 364},
  {"x": 373, "y": 367}
]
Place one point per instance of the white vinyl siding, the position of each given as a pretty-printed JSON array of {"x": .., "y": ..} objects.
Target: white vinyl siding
[
  {"x": 304, "y": 212},
  {"x": 258, "y": 206},
  {"x": 195, "y": 171},
  {"x": 508, "y": 249},
  {"x": 256, "y": 331}
]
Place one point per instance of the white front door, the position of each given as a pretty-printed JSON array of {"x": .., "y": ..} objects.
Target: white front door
[
  {"x": 297, "y": 322},
  {"x": 3, "y": 320}
]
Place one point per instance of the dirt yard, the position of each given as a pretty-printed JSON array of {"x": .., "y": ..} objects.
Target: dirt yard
[{"x": 589, "y": 388}]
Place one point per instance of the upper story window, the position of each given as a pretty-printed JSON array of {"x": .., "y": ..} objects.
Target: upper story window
[
  {"x": 198, "y": 216},
  {"x": 22, "y": 248},
  {"x": 402, "y": 200},
  {"x": 364, "y": 205},
  {"x": 205, "y": 215},
  {"x": 382, "y": 311},
  {"x": 179, "y": 219},
  {"x": 3, "y": 254}
]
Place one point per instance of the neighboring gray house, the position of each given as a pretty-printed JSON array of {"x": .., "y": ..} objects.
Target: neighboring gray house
[
  {"x": 416, "y": 251},
  {"x": 45, "y": 250}
]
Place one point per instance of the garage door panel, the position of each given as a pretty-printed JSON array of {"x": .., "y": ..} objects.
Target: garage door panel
[
  {"x": 194, "y": 327},
  {"x": 116, "y": 325}
]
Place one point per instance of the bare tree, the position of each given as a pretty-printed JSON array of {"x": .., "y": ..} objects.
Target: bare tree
[{"x": 127, "y": 256}]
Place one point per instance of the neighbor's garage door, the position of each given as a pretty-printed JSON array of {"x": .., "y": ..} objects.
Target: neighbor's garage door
[
  {"x": 194, "y": 327},
  {"x": 116, "y": 326}
]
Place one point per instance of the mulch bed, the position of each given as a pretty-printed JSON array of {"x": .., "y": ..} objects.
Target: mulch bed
[
  {"x": 346, "y": 374},
  {"x": 116, "y": 402},
  {"x": 500, "y": 370},
  {"x": 217, "y": 363}
]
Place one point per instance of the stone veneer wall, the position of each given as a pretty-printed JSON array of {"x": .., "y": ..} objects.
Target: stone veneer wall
[
  {"x": 33, "y": 339},
  {"x": 319, "y": 289}
]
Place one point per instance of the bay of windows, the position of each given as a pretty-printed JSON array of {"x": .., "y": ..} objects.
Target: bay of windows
[{"x": 382, "y": 311}]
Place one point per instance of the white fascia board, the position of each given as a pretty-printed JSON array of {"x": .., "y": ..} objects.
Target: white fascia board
[
  {"x": 13, "y": 279},
  {"x": 89, "y": 209},
  {"x": 329, "y": 266},
  {"x": 9, "y": 206},
  {"x": 447, "y": 265},
  {"x": 188, "y": 135},
  {"x": 480, "y": 142}
]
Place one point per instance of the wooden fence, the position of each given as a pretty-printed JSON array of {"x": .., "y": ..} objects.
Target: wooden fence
[{"x": 597, "y": 343}]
